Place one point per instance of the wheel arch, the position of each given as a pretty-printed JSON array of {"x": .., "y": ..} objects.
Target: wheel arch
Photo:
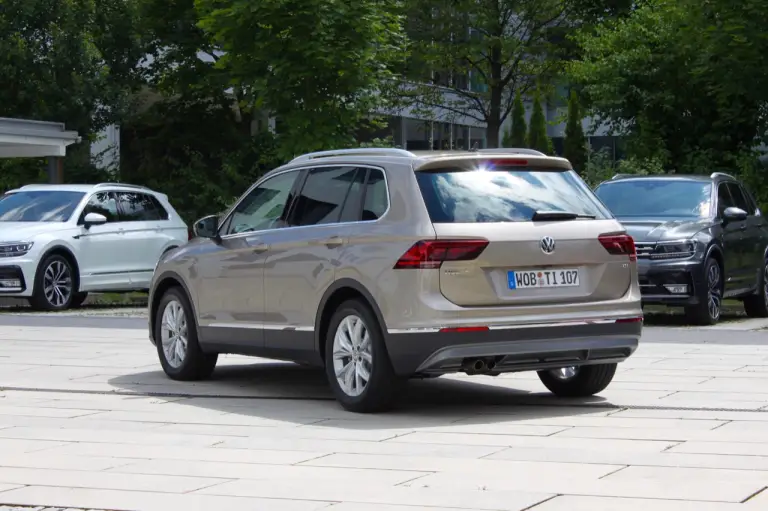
[
  {"x": 67, "y": 254},
  {"x": 339, "y": 292},
  {"x": 163, "y": 283}
]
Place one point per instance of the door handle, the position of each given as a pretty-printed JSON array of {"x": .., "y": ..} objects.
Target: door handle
[
  {"x": 260, "y": 248},
  {"x": 333, "y": 242}
]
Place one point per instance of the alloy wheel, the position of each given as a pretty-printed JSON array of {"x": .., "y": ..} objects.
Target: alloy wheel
[
  {"x": 173, "y": 334},
  {"x": 714, "y": 292},
  {"x": 352, "y": 355},
  {"x": 57, "y": 283},
  {"x": 565, "y": 373}
]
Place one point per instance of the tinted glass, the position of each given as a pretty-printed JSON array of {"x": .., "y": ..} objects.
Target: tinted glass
[
  {"x": 353, "y": 205},
  {"x": 39, "y": 206},
  {"x": 657, "y": 197},
  {"x": 264, "y": 207},
  {"x": 376, "y": 199},
  {"x": 323, "y": 195},
  {"x": 724, "y": 199},
  {"x": 738, "y": 197},
  {"x": 137, "y": 207},
  {"x": 103, "y": 203},
  {"x": 501, "y": 195}
]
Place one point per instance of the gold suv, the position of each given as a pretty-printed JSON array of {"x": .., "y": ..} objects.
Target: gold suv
[{"x": 384, "y": 264}]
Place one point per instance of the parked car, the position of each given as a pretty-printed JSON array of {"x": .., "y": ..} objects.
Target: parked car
[
  {"x": 699, "y": 239},
  {"x": 382, "y": 264},
  {"x": 60, "y": 242}
]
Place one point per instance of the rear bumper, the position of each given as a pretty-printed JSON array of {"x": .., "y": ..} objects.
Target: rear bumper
[{"x": 531, "y": 348}]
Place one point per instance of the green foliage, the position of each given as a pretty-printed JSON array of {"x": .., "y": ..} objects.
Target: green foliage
[
  {"x": 600, "y": 166},
  {"x": 67, "y": 61},
  {"x": 516, "y": 135},
  {"x": 683, "y": 80},
  {"x": 316, "y": 65},
  {"x": 575, "y": 143},
  {"x": 508, "y": 49},
  {"x": 195, "y": 153},
  {"x": 537, "y": 130}
]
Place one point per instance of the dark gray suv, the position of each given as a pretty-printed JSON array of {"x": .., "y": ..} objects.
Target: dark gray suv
[{"x": 699, "y": 239}]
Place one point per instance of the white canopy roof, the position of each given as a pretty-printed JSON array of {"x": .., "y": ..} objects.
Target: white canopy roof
[{"x": 32, "y": 139}]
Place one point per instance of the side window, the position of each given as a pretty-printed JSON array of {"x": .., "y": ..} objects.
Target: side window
[
  {"x": 103, "y": 203},
  {"x": 724, "y": 200},
  {"x": 264, "y": 207},
  {"x": 137, "y": 207},
  {"x": 354, "y": 203},
  {"x": 738, "y": 197},
  {"x": 376, "y": 197},
  {"x": 323, "y": 195}
]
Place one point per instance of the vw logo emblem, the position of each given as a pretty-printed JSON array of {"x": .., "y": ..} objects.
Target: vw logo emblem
[{"x": 547, "y": 245}]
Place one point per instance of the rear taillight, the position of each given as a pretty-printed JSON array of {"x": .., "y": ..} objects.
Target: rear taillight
[
  {"x": 638, "y": 319},
  {"x": 619, "y": 244},
  {"x": 430, "y": 254}
]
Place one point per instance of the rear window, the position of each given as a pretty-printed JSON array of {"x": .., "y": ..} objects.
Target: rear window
[{"x": 480, "y": 196}]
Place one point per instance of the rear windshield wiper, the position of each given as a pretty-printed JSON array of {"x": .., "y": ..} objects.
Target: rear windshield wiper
[{"x": 558, "y": 215}]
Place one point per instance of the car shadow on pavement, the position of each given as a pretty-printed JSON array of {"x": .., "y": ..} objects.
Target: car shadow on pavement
[{"x": 276, "y": 390}]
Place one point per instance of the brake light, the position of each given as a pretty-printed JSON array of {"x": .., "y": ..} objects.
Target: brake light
[
  {"x": 619, "y": 244},
  {"x": 508, "y": 162},
  {"x": 430, "y": 254},
  {"x": 638, "y": 319}
]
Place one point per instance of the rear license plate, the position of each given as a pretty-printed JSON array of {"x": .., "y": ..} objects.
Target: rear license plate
[{"x": 566, "y": 277}]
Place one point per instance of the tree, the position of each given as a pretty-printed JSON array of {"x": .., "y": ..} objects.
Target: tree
[
  {"x": 73, "y": 62},
  {"x": 318, "y": 66},
  {"x": 481, "y": 53},
  {"x": 537, "y": 130},
  {"x": 516, "y": 135},
  {"x": 682, "y": 80},
  {"x": 575, "y": 143}
]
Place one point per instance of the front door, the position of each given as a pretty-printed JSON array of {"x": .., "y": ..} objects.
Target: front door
[
  {"x": 103, "y": 250},
  {"x": 231, "y": 284},
  {"x": 753, "y": 235},
  {"x": 734, "y": 253}
]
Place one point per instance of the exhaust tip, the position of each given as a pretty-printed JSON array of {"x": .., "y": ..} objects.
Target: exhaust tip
[{"x": 478, "y": 365}]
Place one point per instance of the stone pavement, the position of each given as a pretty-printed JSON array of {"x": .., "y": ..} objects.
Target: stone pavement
[{"x": 88, "y": 421}]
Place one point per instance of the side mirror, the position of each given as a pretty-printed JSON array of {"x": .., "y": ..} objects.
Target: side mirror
[
  {"x": 94, "y": 219},
  {"x": 733, "y": 214},
  {"x": 207, "y": 227}
]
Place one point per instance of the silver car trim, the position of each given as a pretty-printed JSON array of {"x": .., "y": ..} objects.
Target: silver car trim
[
  {"x": 516, "y": 326},
  {"x": 261, "y": 326},
  {"x": 299, "y": 169}
]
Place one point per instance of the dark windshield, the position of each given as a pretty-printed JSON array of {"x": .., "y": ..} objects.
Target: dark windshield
[
  {"x": 454, "y": 196},
  {"x": 657, "y": 197},
  {"x": 39, "y": 206}
]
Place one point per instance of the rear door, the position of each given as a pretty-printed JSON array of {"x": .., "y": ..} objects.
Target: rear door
[{"x": 536, "y": 253}]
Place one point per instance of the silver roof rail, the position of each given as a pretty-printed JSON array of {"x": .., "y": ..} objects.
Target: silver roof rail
[
  {"x": 512, "y": 150},
  {"x": 622, "y": 176},
  {"x": 720, "y": 174},
  {"x": 122, "y": 185},
  {"x": 373, "y": 151}
]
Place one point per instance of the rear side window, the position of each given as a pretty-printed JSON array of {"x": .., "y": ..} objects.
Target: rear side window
[
  {"x": 138, "y": 207},
  {"x": 376, "y": 199},
  {"x": 480, "y": 196},
  {"x": 323, "y": 195}
]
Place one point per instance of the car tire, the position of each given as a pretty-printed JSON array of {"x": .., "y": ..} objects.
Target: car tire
[
  {"x": 710, "y": 306},
  {"x": 78, "y": 300},
  {"x": 55, "y": 284},
  {"x": 177, "y": 342},
  {"x": 582, "y": 381},
  {"x": 756, "y": 306},
  {"x": 355, "y": 349}
]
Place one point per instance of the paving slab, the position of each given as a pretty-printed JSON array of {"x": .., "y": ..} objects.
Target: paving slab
[{"x": 88, "y": 421}]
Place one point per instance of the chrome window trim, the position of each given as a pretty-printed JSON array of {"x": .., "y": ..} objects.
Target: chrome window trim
[{"x": 299, "y": 169}]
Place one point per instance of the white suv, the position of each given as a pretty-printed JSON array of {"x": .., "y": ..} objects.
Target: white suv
[{"x": 58, "y": 242}]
